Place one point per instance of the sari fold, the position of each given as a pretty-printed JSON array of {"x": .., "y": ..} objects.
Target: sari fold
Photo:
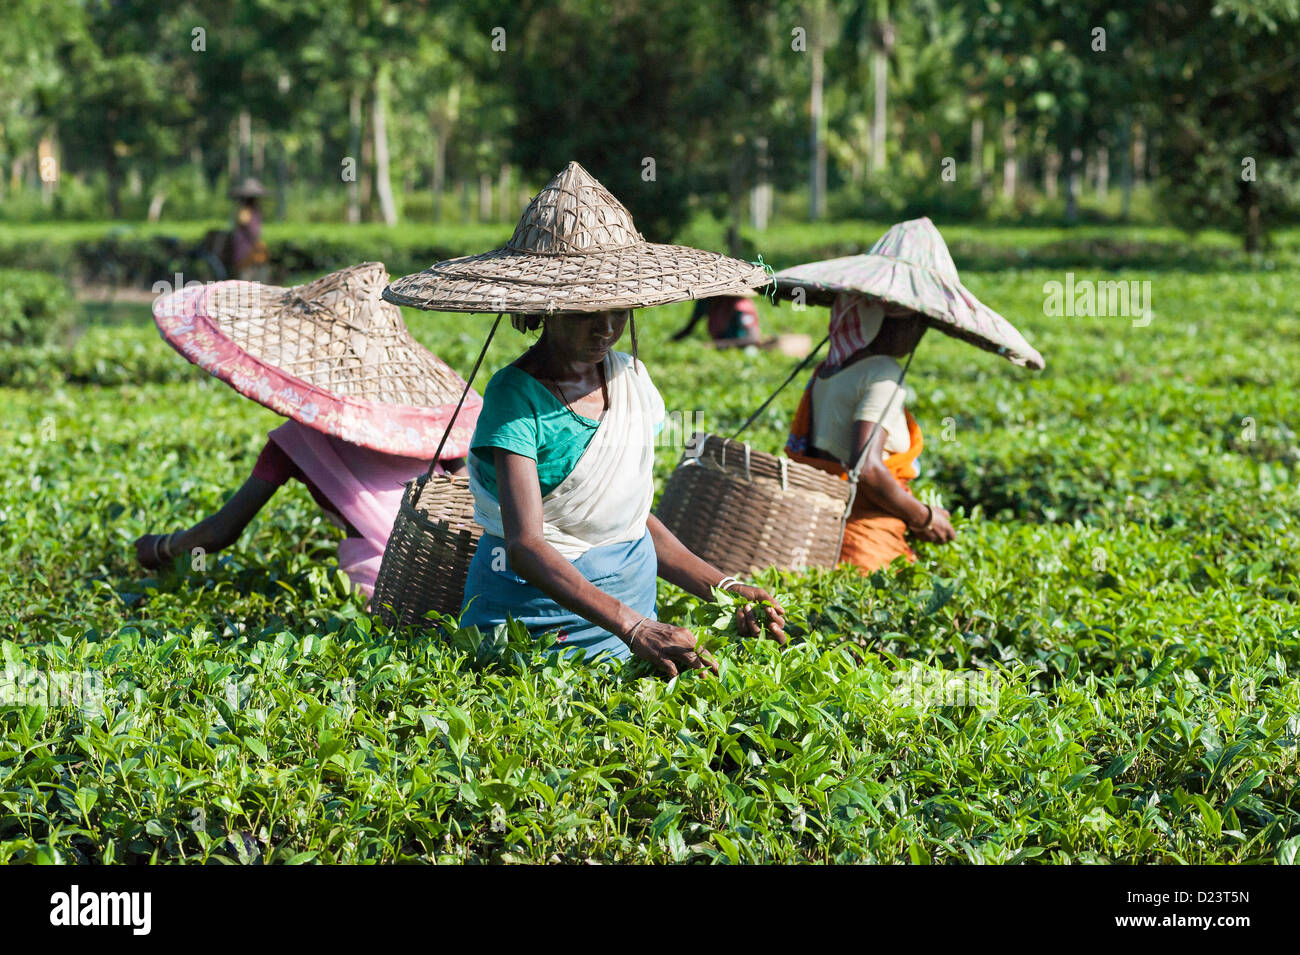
[{"x": 364, "y": 486}]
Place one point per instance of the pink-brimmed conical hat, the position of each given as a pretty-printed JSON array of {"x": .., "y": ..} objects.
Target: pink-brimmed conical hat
[
  {"x": 574, "y": 250},
  {"x": 331, "y": 354},
  {"x": 910, "y": 266}
]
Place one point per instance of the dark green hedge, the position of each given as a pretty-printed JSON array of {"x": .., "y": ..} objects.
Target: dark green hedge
[{"x": 35, "y": 307}]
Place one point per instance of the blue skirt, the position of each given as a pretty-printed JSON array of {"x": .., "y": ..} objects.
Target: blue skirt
[{"x": 493, "y": 592}]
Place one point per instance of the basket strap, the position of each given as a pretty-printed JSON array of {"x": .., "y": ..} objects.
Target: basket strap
[
  {"x": 781, "y": 387},
  {"x": 861, "y": 462},
  {"x": 437, "y": 455}
]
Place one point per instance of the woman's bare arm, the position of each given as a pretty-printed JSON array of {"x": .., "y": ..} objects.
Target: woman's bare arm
[
  {"x": 679, "y": 565},
  {"x": 533, "y": 559},
  {"x": 216, "y": 532},
  {"x": 225, "y": 527},
  {"x": 876, "y": 479},
  {"x": 884, "y": 490}
]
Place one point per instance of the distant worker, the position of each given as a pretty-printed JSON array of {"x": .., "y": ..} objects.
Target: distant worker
[
  {"x": 366, "y": 403},
  {"x": 248, "y": 256},
  {"x": 733, "y": 322}
]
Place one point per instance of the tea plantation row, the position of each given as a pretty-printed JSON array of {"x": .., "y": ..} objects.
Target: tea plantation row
[{"x": 1101, "y": 668}]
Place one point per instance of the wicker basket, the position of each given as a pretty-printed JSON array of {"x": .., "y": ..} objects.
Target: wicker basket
[
  {"x": 429, "y": 551},
  {"x": 744, "y": 510}
]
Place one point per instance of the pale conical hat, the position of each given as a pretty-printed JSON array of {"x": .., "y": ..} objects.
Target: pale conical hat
[
  {"x": 331, "y": 354},
  {"x": 910, "y": 266},
  {"x": 574, "y": 250}
]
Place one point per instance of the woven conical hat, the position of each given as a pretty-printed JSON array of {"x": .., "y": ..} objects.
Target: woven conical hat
[
  {"x": 331, "y": 354},
  {"x": 910, "y": 265},
  {"x": 574, "y": 250}
]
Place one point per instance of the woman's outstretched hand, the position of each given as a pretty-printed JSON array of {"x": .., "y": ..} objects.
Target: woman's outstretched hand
[
  {"x": 671, "y": 649},
  {"x": 747, "y": 620},
  {"x": 150, "y": 551}
]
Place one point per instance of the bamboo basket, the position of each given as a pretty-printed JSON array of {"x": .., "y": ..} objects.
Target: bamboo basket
[
  {"x": 429, "y": 552},
  {"x": 744, "y": 510}
]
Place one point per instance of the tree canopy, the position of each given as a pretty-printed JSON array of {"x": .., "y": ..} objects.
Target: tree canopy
[{"x": 376, "y": 105}]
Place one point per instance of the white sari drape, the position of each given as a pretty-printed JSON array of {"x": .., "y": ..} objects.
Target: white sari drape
[{"x": 607, "y": 496}]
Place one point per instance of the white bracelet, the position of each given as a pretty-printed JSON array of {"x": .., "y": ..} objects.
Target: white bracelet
[
  {"x": 631, "y": 634},
  {"x": 725, "y": 583}
]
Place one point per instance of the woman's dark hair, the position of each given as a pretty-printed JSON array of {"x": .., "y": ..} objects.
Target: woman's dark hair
[{"x": 523, "y": 322}]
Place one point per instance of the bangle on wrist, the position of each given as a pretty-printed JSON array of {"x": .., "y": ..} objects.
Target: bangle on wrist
[
  {"x": 727, "y": 584},
  {"x": 929, "y": 519},
  {"x": 631, "y": 634},
  {"x": 163, "y": 543}
]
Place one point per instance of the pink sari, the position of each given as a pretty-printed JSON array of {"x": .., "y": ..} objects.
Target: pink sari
[{"x": 364, "y": 486}]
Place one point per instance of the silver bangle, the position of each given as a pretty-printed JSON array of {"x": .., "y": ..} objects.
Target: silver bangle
[
  {"x": 157, "y": 544},
  {"x": 726, "y": 583},
  {"x": 631, "y": 634}
]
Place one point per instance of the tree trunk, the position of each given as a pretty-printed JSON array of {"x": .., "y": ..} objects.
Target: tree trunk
[
  {"x": 735, "y": 200},
  {"x": 1126, "y": 169},
  {"x": 1009, "y": 152},
  {"x": 503, "y": 190},
  {"x": 114, "y": 173},
  {"x": 1103, "y": 173},
  {"x": 1139, "y": 156},
  {"x": 439, "y": 171},
  {"x": 880, "y": 50},
  {"x": 760, "y": 202},
  {"x": 281, "y": 181},
  {"x": 245, "y": 143},
  {"x": 367, "y": 178},
  {"x": 879, "y": 80},
  {"x": 817, "y": 180},
  {"x": 156, "y": 205},
  {"x": 1051, "y": 170},
  {"x": 232, "y": 152},
  {"x": 354, "y": 150},
  {"x": 977, "y": 150},
  {"x": 1072, "y": 185},
  {"x": 484, "y": 197},
  {"x": 383, "y": 180},
  {"x": 47, "y": 152},
  {"x": 464, "y": 201}
]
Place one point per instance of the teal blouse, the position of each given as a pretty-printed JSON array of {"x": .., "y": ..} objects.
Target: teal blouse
[{"x": 520, "y": 414}]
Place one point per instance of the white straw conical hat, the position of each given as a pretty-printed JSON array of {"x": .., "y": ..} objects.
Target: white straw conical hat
[
  {"x": 574, "y": 250},
  {"x": 331, "y": 354},
  {"x": 910, "y": 266}
]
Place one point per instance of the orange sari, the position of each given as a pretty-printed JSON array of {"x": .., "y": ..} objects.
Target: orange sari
[{"x": 873, "y": 538}]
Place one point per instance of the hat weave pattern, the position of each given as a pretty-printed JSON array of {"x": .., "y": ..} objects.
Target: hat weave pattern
[
  {"x": 330, "y": 354},
  {"x": 575, "y": 249},
  {"x": 910, "y": 266}
]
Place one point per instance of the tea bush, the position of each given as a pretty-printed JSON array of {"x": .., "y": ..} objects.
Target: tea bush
[
  {"x": 1101, "y": 668},
  {"x": 35, "y": 307}
]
